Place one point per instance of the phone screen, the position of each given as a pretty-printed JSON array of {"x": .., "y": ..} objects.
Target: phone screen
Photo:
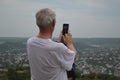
[{"x": 65, "y": 28}]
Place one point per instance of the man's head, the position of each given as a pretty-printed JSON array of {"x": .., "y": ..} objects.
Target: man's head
[{"x": 45, "y": 18}]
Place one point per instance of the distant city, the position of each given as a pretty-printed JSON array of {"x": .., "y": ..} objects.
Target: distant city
[{"x": 98, "y": 55}]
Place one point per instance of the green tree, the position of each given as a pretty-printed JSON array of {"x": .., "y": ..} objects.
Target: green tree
[{"x": 12, "y": 75}]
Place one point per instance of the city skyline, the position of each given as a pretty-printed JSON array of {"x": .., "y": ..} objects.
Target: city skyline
[{"x": 87, "y": 18}]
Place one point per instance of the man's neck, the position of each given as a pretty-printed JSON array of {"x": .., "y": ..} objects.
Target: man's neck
[{"x": 44, "y": 35}]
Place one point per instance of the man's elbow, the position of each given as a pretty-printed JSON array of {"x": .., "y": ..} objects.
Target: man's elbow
[{"x": 68, "y": 68}]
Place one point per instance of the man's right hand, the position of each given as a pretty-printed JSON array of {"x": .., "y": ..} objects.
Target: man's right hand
[
  {"x": 67, "y": 38},
  {"x": 69, "y": 42}
]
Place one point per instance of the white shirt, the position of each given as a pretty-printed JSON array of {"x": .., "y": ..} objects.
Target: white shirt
[{"x": 48, "y": 60}]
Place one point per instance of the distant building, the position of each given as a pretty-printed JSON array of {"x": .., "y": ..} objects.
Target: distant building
[
  {"x": 1, "y": 67},
  {"x": 86, "y": 71}
]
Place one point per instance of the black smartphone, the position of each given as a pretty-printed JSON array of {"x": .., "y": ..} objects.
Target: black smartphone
[{"x": 65, "y": 29}]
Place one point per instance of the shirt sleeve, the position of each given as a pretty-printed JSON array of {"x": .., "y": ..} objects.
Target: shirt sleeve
[{"x": 65, "y": 57}]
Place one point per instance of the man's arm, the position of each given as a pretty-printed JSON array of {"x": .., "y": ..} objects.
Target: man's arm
[{"x": 68, "y": 41}]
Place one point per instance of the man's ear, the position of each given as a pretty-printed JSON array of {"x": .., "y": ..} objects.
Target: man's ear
[{"x": 53, "y": 23}]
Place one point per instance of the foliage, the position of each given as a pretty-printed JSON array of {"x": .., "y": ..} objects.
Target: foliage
[
  {"x": 20, "y": 73},
  {"x": 94, "y": 76},
  {"x": 23, "y": 73}
]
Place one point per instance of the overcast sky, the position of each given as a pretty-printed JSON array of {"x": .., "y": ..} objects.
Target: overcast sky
[{"x": 87, "y": 18}]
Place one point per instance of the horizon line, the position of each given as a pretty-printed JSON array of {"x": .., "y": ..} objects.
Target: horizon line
[{"x": 57, "y": 37}]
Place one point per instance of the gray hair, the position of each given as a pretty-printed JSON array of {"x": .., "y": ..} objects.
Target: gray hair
[{"x": 44, "y": 17}]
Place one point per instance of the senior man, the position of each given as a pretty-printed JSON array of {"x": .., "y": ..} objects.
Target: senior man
[{"x": 49, "y": 60}]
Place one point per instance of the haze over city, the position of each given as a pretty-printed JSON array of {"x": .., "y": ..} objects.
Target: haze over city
[{"x": 87, "y": 18}]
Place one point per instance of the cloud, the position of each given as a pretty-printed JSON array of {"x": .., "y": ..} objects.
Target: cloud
[
  {"x": 9, "y": 2},
  {"x": 92, "y": 3},
  {"x": 87, "y": 18}
]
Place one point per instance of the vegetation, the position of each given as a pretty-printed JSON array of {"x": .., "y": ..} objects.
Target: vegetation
[
  {"x": 23, "y": 73},
  {"x": 94, "y": 76},
  {"x": 18, "y": 73}
]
